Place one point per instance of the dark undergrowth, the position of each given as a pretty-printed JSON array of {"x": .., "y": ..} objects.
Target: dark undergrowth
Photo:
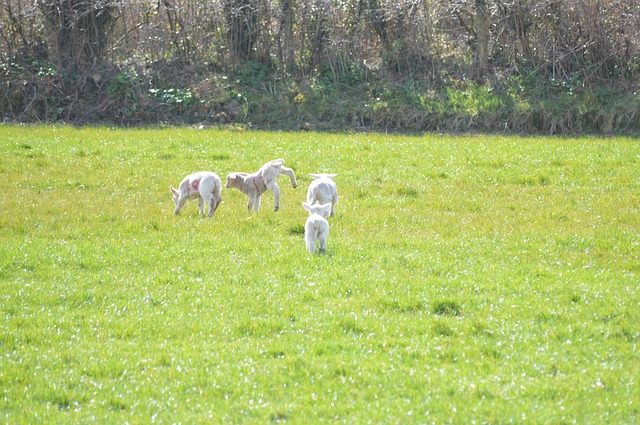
[{"x": 184, "y": 94}]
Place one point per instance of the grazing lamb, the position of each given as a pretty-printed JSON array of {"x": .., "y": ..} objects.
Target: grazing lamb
[
  {"x": 254, "y": 185},
  {"x": 323, "y": 190},
  {"x": 317, "y": 227},
  {"x": 205, "y": 185}
]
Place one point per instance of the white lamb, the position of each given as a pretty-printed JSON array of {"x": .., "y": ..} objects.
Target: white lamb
[
  {"x": 254, "y": 185},
  {"x": 204, "y": 185},
  {"x": 323, "y": 190},
  {"x": 317, "y": 227}
]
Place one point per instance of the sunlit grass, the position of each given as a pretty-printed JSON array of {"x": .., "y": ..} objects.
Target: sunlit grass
[{"x": 469, "y": 278}]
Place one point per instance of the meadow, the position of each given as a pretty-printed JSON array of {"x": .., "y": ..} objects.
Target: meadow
[{"x": 468, "y": 279}]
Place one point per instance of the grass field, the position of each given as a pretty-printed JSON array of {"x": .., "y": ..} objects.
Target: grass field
[{"x": 468, "y": 279}]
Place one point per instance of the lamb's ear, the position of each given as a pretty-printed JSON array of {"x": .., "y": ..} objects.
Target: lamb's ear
[
  {"x": 326, "y": 207},
  {"x": 173, "y": 190},
  {"x": 321, "y": 175},
  {"x": 307, "y": 206}
]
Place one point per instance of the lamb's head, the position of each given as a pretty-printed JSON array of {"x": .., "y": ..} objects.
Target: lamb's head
[
  {"x": 234, "y": 180},
  {"x": 176, "y": 195},
  {"x": 317, "y": 208}
]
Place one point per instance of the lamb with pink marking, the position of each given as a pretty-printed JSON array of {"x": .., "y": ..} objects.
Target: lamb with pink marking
[{"x": 204, "y": 185}]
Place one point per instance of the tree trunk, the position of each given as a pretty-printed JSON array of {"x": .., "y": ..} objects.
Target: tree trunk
[
  {"x": 242, "y": 22},
  {"x": 286, "y": 34},
  {"x": 482, "y": 38}
]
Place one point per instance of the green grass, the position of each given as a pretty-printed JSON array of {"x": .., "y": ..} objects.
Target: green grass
[{"x": 468, "y": 279}]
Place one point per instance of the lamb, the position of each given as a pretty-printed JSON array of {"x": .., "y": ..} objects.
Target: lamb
[
  {"x": 204, "y": 185},
  {"x": 254, "y": 185},
  {"x": 323, "y": 190},
  {"x": 317, "y": 227}
]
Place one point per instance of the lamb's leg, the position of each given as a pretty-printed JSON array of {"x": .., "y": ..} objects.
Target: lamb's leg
[
  {"x": 322, "y": 238},
  {"x": 292, "y": 176},
  {"x": 310, "y": 243},
  {"x": 201, "y": 204},
  {"x": 323, "y": 245},
  {"x": 211, "y": 203},
  {"x": 252, "y": 200},
  {"x": 256, "y": 206},
  {"x": 273, "y": 187}
]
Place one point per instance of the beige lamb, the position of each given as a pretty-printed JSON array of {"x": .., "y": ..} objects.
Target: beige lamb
[{"x": 254, "y": 185}]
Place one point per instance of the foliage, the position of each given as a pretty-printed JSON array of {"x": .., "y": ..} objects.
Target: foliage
[
  {"x": 470, "y": 278},
  {"x": 124, "y": 92},
  {"x": 182, "y": 97},
  {"x": 442, "y": 65}
]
